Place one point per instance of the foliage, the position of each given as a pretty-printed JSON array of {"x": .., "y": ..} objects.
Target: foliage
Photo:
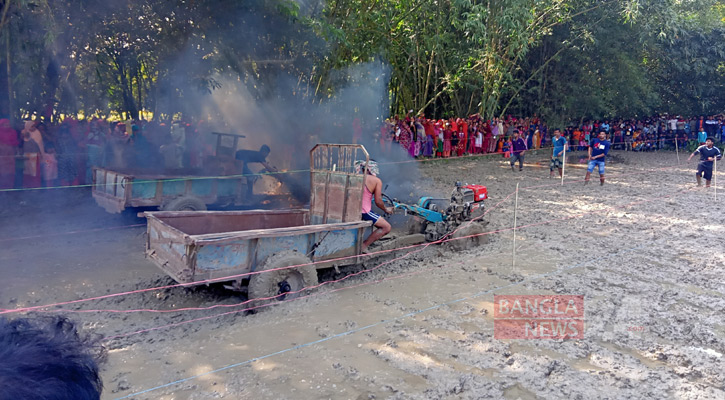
[
  {"x": 626, "y": 60},
  {"x": 561, "y": 59}
]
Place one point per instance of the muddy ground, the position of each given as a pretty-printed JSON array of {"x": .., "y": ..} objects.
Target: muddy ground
[{"x": 645, "y": 250}]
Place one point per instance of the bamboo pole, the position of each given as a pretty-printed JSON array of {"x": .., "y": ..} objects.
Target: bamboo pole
[
  {"x": 677, "y": 148},
  {"x": 516, "y": 207},
  {"x": 563, "y": 166}
]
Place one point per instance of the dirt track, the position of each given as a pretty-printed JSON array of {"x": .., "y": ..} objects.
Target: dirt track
[{"x": 645, "y": 251}]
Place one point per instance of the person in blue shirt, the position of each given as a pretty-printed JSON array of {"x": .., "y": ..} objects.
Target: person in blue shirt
[
  {"x": 605, "y": 127},
  {"x": 701, "y": 137},
  {"x": 559, "y": 142},
  {"x": 708, "y": 154},
  {"x": 597, "y": 156}
]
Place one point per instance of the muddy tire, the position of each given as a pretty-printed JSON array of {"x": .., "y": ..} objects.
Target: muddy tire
[
  {"x": 282, "y": 284},
  {"x": 464, "y": 230},
  {"x": 185, "y": 203}
]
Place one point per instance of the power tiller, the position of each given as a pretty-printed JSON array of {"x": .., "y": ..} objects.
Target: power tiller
[{"x": 435, "y": 219}]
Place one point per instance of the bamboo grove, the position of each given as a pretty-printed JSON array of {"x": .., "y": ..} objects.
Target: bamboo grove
[{"x": 562, "y": 60}]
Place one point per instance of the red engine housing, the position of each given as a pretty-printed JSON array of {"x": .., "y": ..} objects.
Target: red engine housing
[{"x": 480, "y": 192}]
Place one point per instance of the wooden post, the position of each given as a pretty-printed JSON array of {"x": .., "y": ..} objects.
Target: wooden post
[
  {"x": 714, "y": 176},
  {"x": 516, "y": 206},
  {"x": 563, "y": 166},
  {"x": 677, "y": 148}
]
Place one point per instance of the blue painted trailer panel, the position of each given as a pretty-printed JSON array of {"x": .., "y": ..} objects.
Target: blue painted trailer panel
[
  {"x": 178, "y": 248},
  {"x": 173, "y": 187},
  {"x": 201, "y": 187},
  {"x": 334, "y": 242},
  {"x": 144, "y": 190},
  {"x": 225, "y": 256},
  {"x": 227, "y": 187},
  {"x": 268, "y": 246}
]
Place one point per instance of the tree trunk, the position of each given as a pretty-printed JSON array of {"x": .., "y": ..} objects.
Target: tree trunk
[
  {"x": 11, "y": 100},
  {"x": 52, "y": 81},
  {"x": 129, "y": 104},
  {"x": 428, "y": 77},
  {"x": 139, "y": 88}
]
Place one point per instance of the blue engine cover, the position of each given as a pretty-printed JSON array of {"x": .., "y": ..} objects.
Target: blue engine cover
[{"x": 421, "y": 210}]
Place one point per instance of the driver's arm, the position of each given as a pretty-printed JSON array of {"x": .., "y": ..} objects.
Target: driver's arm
[
  {"x": 378, "y": 193},
  {"x": 269, "y": 167}
]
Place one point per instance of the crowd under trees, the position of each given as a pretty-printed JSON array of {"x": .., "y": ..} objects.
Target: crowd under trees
[{"x": 561, "y": 60}]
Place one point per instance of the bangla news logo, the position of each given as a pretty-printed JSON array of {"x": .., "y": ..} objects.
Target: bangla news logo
[{"x": 538, "y": 316}]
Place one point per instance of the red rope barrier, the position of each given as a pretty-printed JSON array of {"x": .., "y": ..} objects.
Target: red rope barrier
[{"x": 232, "y": 277}]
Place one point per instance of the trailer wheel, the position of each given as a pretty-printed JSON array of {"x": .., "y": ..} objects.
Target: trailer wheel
[
  {"x": 279, "y": 283},
  {"x": 185, "y": 203},
  {"x": 473, "y": 228}
]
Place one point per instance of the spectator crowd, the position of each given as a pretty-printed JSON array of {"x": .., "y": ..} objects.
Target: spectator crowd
[
  {"x": 455, "y": 137},
  {"x": 35, "y": 154}
]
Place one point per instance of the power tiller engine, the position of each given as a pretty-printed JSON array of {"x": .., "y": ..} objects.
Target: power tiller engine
[{"x": 435, "y": 219}]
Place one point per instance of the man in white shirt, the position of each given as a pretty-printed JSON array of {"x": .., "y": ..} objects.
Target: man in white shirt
[{"x": 672, "y": 124}]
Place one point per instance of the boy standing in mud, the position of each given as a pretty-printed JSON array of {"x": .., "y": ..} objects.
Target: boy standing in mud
[
  {"x": 559, "y": 144},
  {"x": 597, "y": 155},
  {"x": 708, "y": 154},
  {"x": 518, "y": 147}
]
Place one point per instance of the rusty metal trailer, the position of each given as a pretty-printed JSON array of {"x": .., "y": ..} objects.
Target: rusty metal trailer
[
  {"x": 194, "y": 247},
  {"x": 175, "y": 190},
  {"x": 118, "y": 190}
]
